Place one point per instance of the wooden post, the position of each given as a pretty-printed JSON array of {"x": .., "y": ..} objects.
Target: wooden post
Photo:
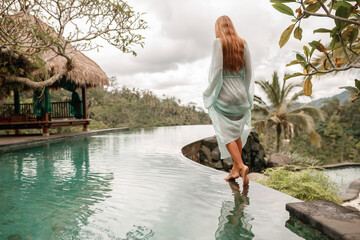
[
  {"x": 17, "y": 101},
  {"x": 17, "y": 108},
  {"x": 83, "y": 90},
  {"x": 46, "y": 117}
]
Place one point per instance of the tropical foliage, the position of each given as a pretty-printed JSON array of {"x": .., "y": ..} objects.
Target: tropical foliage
[
  {"x": 343, "y": 52},
  {"x": 134, "y": 108},
  {"x": 307, "y": 185},
  {"x": 281, "y": 116},
  {"x": 340, "y": 134}
]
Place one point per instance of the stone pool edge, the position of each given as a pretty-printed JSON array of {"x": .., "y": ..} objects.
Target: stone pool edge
[{"x": 24, "y": 143}]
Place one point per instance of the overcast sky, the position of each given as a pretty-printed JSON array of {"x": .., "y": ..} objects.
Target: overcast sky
[{"x": 176, "y": 57}]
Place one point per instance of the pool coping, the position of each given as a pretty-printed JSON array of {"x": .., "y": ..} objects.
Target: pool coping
[
  {"x": 333, "y": 220},
  {"x": 38, "y": 140}
]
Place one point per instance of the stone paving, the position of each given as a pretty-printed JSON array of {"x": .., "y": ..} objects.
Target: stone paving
[{"x": 335, "y": 221}]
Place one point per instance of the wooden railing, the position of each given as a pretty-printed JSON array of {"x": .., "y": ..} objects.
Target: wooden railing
[{"x": 59, "y": 110}]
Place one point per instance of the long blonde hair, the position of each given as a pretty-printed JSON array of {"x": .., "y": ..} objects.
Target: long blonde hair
[{"x": 232, "y": 44}]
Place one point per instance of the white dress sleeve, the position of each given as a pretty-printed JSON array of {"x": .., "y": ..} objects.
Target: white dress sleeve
[
  {"x": 215, "y": 75},
  {"x": 249, "y": 74}
]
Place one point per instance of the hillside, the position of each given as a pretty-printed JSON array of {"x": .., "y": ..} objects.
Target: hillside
[{"x": 343, "y": 97}]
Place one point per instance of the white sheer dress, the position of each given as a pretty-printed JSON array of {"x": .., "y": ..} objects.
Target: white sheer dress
[{"x": 229, "y": 99}]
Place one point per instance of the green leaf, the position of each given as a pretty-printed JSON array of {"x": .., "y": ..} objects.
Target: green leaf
[
  {"x": 314, "y": 44},
  {"x": 334, "y": 41},
  {"x": 293, "y": 75},
  {"x": 312, "y": 51},
  {"x": 322, "y": 30},
  {"x": 354, "y": 34},
  {"x": 341, "y": 4},
  {"x": 299, "y": 56},
  {"x": 286, "y": 35},
  {"x": 294, "y": 62},
  {"x": 298, "y": 33},
  {"x": 314, "y": 7},
  {"x": 283, "y": 9},
  {"x": 357, "y": 84},
  {"x": 343, "y": 12},
  {"x": 306, "y": 51}
]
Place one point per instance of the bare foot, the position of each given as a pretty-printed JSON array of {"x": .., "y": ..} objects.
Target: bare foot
[
  {"x": 232, "y": 175},
  {"x": 243, "y": 172}
]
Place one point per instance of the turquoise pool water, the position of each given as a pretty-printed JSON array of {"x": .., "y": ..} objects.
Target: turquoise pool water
[{"x": 132, "y": 185}]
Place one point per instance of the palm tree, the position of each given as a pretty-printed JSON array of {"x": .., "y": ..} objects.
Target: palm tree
[{"x": 281, "y": 114}]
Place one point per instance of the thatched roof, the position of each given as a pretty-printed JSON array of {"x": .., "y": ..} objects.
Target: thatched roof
[{"x": 85, "y": 71}]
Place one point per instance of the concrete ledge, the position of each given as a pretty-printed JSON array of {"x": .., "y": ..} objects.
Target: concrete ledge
[
  {"x": 12, "y": 143},
  {"x": 333, "y": 220}
]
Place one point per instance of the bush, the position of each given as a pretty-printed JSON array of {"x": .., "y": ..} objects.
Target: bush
[{"x": 307, "y": 185}]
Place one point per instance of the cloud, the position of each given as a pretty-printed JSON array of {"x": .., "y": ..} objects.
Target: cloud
[{"x": 178, "y": 44}]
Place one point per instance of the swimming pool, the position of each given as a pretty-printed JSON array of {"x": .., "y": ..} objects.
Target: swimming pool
[
  {"x": 343, "y": 176},
  {"x": 131, "y": 185}
]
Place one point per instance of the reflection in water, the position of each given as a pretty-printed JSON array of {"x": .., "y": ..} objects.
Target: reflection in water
[
  {"x": 51, "y": 186},
  {"x": 234, "y": 222},
  {"x": 303, "y": 230}
]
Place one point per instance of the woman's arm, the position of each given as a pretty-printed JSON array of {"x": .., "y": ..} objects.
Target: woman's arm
[{"x": 249, "y": 73}]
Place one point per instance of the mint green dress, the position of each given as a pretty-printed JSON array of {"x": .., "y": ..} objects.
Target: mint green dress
[{"x": 229, "y": 99}]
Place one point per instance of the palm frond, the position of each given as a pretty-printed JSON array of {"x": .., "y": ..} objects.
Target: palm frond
[
  {"x": 260, "y": 109},
  {"x": 268, "y": 90},
  {"x": 309, "y": 110},
  {"x": 315, "y": 138},
  {"x": 302, "y": 120},
  {"x": 297, "y": 95},
  {"x": 259, "y": 100}
]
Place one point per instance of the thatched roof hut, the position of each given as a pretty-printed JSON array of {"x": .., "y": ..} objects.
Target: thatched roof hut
[{"x": 84, "y": 73}]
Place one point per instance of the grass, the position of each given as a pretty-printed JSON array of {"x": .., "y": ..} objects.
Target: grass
[{"x": 307, "y": 184}]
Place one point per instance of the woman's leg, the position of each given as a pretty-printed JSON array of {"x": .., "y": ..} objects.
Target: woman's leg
[
  {"x": 235, "y": 149},
  {"x": 244, "y": 170}
]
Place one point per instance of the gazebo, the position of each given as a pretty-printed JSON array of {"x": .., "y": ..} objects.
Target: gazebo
[{"x": 43, "y": 113}]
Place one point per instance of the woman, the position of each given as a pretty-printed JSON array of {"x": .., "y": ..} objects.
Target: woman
[{"x": 229, "y": 96}]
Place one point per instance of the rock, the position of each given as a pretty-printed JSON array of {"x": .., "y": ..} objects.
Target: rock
[
  {"x": 278, "y": 160},
  {"x": 255, "y": 147},
  {"x": 228, "y": 163},
  {"x": 252, "y": 154},
  {"x": 257, "y": 176},
  {"x": 210, "y": 142},
  {"x": 218, "y": 165},
  {"x": 247, "y": 147},
  {"x": 205, "y": 154},
  {"x": 255, "y": 136},
  {"x": 215, "y": 154}
]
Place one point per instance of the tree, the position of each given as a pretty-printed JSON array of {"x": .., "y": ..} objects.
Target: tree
[
  {"x": 343, "y": 52},
  {"x": 29, "y": 28},
  {"x": 281, "y": 114}
]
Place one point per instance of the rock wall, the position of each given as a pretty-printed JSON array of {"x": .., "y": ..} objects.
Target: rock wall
[{"x": 206, "y": 152}]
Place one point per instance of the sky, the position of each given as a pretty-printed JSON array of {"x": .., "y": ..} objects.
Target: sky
[{"x": 176, "y": 57}]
